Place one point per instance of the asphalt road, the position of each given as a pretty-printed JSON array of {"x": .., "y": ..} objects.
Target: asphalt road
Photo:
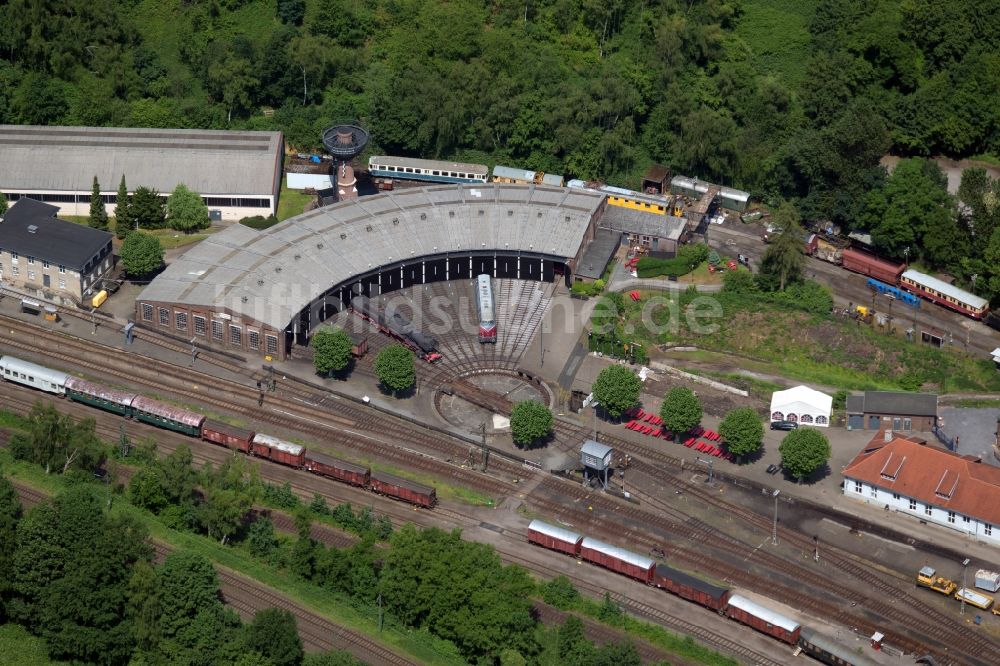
[{"x": 735, "y": 238}]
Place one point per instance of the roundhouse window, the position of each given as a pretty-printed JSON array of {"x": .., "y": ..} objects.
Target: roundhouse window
[
  {"x": 235, "y": 335},
  {"x": 181, "y": 320},
  {"x": 164, "y": 317},
  {"x": 217, "y": 330},
  {"x": 253, "y": 339},
  {"x": 147, "y": 311},
  {"x": 272, "y": 344},
  {"x": 199, "y": 325}
]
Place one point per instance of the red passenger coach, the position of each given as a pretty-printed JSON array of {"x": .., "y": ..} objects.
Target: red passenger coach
[
  {"x": 325, "y": 465},
  {"x": 278, "y": 451},
  {"x": 763, "y": 619},
  {"x": 231, "y": 437},
  {"x": 408, "y": 491},
  {"x": 554, "y": 538},
  {"x": 618, "y": 559},
  {"x": 688, "y": 587}
]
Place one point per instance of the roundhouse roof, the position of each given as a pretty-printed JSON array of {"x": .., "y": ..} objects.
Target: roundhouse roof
[
  {"x": 271, "y": 275},
  {"x": 66, "y": 159}
]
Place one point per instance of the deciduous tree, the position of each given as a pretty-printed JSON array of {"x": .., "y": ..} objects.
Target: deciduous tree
[
  {"x": 331, "y": 349},
  {"x": 803, "y": 451},
  {"x": 141, "y": 253},
  {"x": 57, "y": 442},
  {"x": 98, "y": 213},
  {"x": 186, "y": 211},
  {"x": 394, "y": 368},
  {"x": 530, "y": 421},
  {"x": 742, "y": 431},
  {"x": 10, "y": 516},
  {"x": 617, "y": 389},
  {"x": 273, "y": 633},
  {"x": 681, "y": 410}
]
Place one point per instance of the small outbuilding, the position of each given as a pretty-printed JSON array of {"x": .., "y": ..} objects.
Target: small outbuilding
[
  {"x": 898, "y": 411},
  {"x": 803, "y": 405},
  {"x": 596, "y": 457}
]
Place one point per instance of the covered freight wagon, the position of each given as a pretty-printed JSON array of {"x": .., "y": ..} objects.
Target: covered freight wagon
[
  {"x": 325, "y": 465},
  {"x": 828, "y": 651},
  {"x": 399, "y": 488},
  {"x": 231, "y": 437},
  {"x": 166, "y": 416},
  {"x": 870, "y": 265},
  {"x": 278, "y": 450},
  {"x": 688, "y": 587},
  {"x": 554, "y": 538},
  {"x": 618, "y": 559},
  {"x": 763, "y": 619},
  {"x": 102, "y": 397}
]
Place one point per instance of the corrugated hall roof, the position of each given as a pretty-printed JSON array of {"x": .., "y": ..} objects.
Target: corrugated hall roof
[
  {"x": 66, "y": 159},
  {"x": 271, "y": 275}
]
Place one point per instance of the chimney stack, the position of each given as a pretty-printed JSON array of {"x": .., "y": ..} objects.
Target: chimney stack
[{"x": 888, "y": 436}]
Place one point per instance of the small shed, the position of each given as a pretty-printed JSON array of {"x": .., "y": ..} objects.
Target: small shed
[
  {"x": 802, "y": 405},
  {"x": 596, "y": 456},
  {"x": 656, "y": 180}
]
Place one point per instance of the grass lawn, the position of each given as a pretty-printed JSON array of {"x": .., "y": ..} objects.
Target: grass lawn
[
  {"x": 171, "y": 239},
  {"x": 291, "y": 202},
  {"x": 826, "y": 350},
  {"x": 19, "y": 648},
  {"x": 776, "y": 33}
]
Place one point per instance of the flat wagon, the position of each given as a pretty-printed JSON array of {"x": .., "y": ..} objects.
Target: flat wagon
[
  {"x": 688, "y": 587},
  {"x": 325, "y": 465},
  {"x": 763, "y": 619},
  {"x": 618, "y": 559},
  {"x": 97, "y": 395},
  {"x": 408, "y": 491},
  {"x": 973, "y": 598},
  {"x": 554, "y": 538},
  {"x": 166, "y": 416},
  {"x": 229, "y": 436},
  {"x": 33, "y": 375},
  {"x": 278, "y": 450}
]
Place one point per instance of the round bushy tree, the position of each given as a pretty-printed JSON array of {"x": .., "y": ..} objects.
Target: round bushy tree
[
  {"x": 742, "y": 431},
  {"x": 186, "y": 210},
  {"x": 803, "y": 451},
  {"x": 617, "y": 389},
  {"x": 141, "y": 253},
  {"x": 394, "y": 368},
  {"x": 681, "y": 410},
  {"x": 530, "y": 421},
  {"x": 332, "y": 349}
]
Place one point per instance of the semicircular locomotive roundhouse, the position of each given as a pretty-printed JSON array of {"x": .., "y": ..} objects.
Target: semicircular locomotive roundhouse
[{"x": 263, "y": 291}]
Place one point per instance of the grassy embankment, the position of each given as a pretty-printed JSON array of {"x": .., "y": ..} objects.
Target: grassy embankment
[{"x": 830, "y": 351}]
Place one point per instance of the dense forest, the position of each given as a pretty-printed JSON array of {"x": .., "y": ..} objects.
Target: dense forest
[{"x": 784, "y": 98}]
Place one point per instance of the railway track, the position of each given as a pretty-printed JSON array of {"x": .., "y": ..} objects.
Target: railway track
[{"x": 916, "y": 620}]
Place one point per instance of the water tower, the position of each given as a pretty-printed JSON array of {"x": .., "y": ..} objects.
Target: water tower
[
  {"x": 345, "y": 142},
  {"x": 596, "y": 457}
]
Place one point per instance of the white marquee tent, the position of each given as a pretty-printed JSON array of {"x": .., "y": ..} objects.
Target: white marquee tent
[{"x": 802, "y": 405}]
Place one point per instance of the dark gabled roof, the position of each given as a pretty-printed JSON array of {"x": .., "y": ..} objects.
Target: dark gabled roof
[
  {"x": 898, "y": 402},
  {"x": 598, "y": 253},
  {"x": 855, "y": 404},
  {"x": 54, "y": 240}
]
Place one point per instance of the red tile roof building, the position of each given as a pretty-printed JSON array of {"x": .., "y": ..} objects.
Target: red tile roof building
[{"x": 926, "y": 481}]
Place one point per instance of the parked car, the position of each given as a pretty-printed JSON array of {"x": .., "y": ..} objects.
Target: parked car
[
  {"x": 784, "y": 425},
  {"x": 773, "y": 469}
]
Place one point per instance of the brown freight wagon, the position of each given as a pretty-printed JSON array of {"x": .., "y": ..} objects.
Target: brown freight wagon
[
  {"x": 408, "y": 491},
  {"x": 688, "y": 587},
  {"x": 618, "y": 559},
  {"x": 325, "y": 465},
  {"x": 231, "y": 437},
  {"x": 763, "y": 619},
  {"x": 554, "y": 538},
  {"x": 278, "y": 451},
  {"x": 870, "y": 265}
]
